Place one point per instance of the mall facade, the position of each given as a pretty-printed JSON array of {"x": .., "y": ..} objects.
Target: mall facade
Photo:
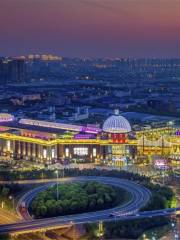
[{"x": 113, "y": 144}]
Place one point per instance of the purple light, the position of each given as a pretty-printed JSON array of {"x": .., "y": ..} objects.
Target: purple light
[
  {"x": 84, "y": 136},
  {"x": 161, "y": 164},
  {"x": 90, "y": 130},
  {"x": 177, "y": 133},
  {"x": 5, "y": 117}
]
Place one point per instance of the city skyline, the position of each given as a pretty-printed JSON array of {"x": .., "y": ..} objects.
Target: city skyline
[
  {"x": 89, "y": 119},
  {"x": 95, "y": 28}
]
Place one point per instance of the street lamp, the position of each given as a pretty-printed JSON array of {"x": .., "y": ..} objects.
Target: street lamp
[
  {"x": 2, "y": 204},
  {"x": 63, "y": 172},
  {"x": 144, "y": 236},
  {"x": 57, "y": 190},
  {"x": 12, "y": 198}
]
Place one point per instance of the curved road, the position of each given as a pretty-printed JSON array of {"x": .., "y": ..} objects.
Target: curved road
[{"x": 140, "y": 196}]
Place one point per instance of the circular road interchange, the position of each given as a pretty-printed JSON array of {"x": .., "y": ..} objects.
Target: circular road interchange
[{"x": 139, "y": 198}]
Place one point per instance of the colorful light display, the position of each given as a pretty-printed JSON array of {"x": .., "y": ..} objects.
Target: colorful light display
[
  {"x": 39, "y": 135},
  {"x": 84, "y": 136},
  {"x": 161, "y": 164},
  {"x": 177, "y": 133},
  {"x": 118, "y": 138},
  {"x": 116, "y": 124},
  {"x": 6, "y": 117}
]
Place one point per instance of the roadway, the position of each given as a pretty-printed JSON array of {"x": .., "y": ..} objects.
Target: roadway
[
  {"x": 139, "y": 198},
  {"x": 7, "y": 216},
  {"x": 127, "y": 211}
]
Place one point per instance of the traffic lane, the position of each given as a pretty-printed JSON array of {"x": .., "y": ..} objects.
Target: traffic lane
[
  {"x": 137, "y": 196},
  {"x": 87, "y": 216},
  {"x": 69, "y": 222}
]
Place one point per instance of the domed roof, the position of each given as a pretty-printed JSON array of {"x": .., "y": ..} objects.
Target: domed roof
[{"x": 116, "y": 124}]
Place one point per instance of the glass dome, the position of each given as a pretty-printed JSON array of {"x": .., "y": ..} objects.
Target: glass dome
[{"x": 116, "y": 124}]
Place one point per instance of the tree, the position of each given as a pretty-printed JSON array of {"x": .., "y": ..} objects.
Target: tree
[
  {"x": 100, "y": 202},
  {"x": 92, "y": 204},
  {"x": 5, "y": 191},
  {"x": 74, "y": 198},
  {"x": 59, "y": 207},
  {"x": 74, "y": 206},
  {"x": 107, "y": 198},
  {"x": 51, "y": 207},
  {"x": 43, "y": 211}
]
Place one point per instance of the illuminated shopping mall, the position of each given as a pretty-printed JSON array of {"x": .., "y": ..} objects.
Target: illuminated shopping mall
[{"x": 113, "y": 144}]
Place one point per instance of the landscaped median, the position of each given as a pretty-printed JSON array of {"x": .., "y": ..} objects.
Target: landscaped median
[{"x": 79, "y": 197}]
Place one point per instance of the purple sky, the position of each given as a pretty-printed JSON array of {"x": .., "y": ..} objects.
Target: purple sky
[{"x": 92, "y": 28}]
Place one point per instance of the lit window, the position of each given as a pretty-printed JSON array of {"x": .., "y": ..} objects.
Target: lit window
[
  {"x": 81, "y": 151},
  {"x": 94, "y": 152},
  {"x": 53, "y": 153},
  {"x": 8, "y": 145},
  {"x": 67, "y": 152},
  {"x": 44, "y": 153}
]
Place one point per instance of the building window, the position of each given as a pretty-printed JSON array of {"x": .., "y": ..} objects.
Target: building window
[
  {"x": 81, "y": 151},
  {"x": 66, "y": 152},
  {"x": 8, "y": 145},
  {"x": 94, "y": 152},
  {"x": 53, "y": 153},
  {"x": 44, "y": 153}
]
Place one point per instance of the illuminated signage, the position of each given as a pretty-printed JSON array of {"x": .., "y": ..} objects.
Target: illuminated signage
[
  {"x": 80, "y": 151},
  {"x": 161, "y": 164},
  {"x": 84, "y": 136}
]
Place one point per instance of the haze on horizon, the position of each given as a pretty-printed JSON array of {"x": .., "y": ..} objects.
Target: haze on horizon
[{"x": 92, "y": 28}]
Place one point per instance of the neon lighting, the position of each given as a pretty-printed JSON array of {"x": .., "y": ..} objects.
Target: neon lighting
[
  {"x": 177, "y": 133},
  {"x": 3, "y": 129},
  {"x": 90, "y": 129},
  {"x": 84, "y": 136},
  {"x": 53, "y": 142},
  {"x": 161, "y": 164},
  {"x": 36, "y": 135},
  {"x": 6, "y": 117}
]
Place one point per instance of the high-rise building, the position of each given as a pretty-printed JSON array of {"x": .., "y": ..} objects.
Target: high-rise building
[
  {"x": 12, "y": 71},
  {"x": 3, "y": 71}
]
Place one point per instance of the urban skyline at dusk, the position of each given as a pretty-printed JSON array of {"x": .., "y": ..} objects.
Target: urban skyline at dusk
[
  {"x": 96, "y": 28},
  {"x": 89, "y": 119}
]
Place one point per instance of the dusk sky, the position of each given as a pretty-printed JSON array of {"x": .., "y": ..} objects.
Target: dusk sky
[{"x": 91, "y": 28}]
